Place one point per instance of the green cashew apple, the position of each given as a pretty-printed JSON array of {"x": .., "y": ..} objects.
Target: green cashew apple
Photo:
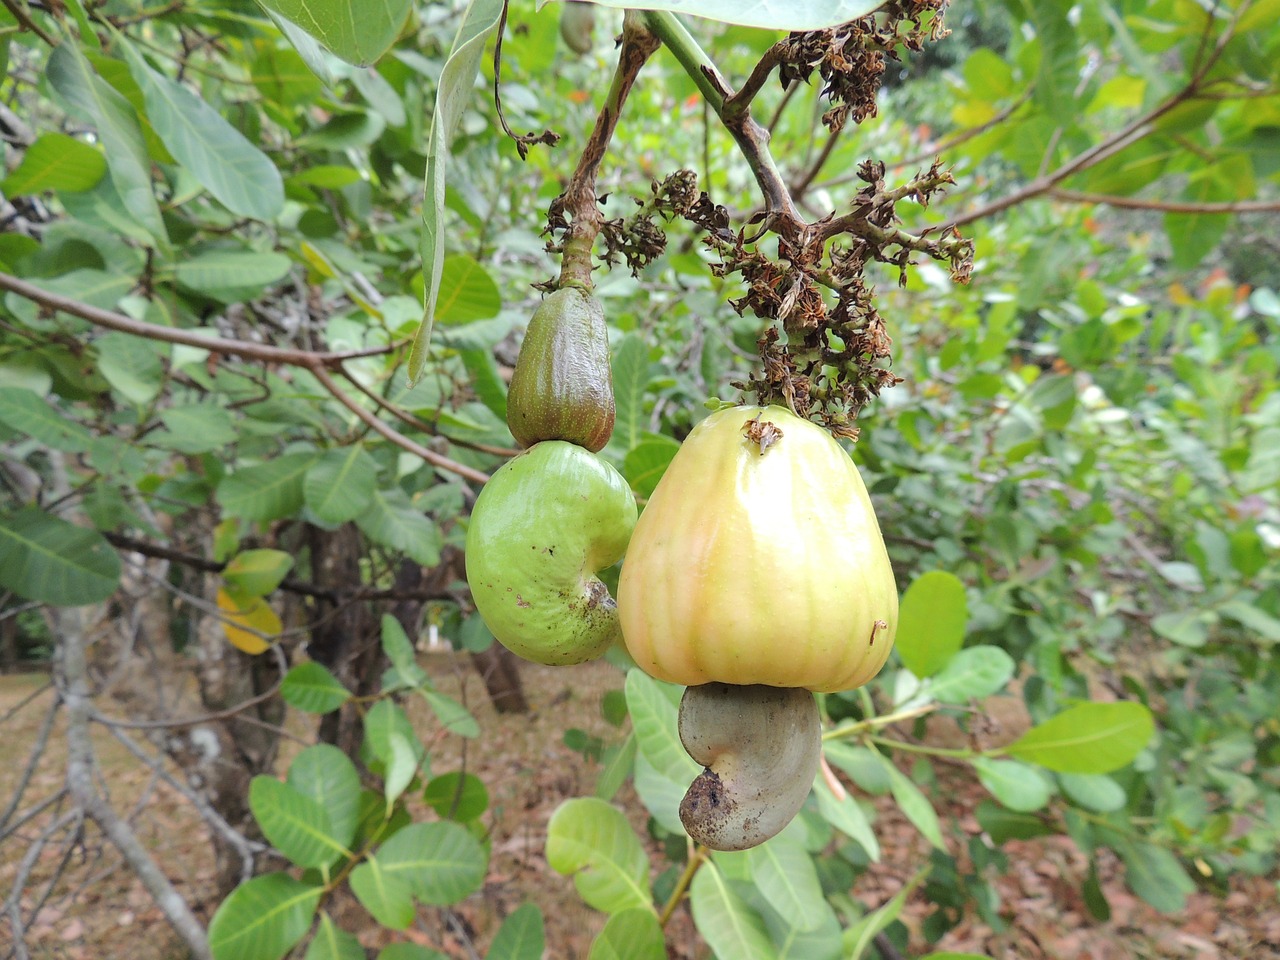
[
  {"x": 543, "y": 526},
  {"x": 562, "y": 387}
]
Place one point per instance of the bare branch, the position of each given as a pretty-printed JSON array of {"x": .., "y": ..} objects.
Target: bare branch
[{"x": 1168, "y": 206}]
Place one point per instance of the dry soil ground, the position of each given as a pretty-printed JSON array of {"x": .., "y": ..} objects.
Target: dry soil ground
[{"x": 100, "y": 912}]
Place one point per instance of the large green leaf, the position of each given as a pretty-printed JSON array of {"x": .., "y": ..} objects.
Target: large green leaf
[
  {"x": 848, "y": 817},
  {"x": 263, "y": 918},
  {"x": 647, "y": 461},
  {"x": 47, "y": 559},
  {"x": 817, "y": 943},
  {"x": 391, "y": 520},
  {"x": 973, "y": 673},
  {"x": 333, "y": 943},
  {"x": 914, "y": 804},
  {"x": 521, "y": 936},
  {"x": 653, "y": 715},
  {"x": 231, "y": 168},
  {"x": 467, "y": 292},
  {"x": 858, "y": 936},
  {"x": 326, "y": 775},
  {"x": 340, "y": 484},
  {"x": 453, "y": 94},
  {"x": 195, "y": 428},
  {"x": 230, "y": 275},
  {"x": 593, "y": 841},
  {"x": 384, "y": 895},
  {"x": 660, "y": 794},
  {"x": 93, "y": 100},
  {"x": 441, "y": 863},
  {"x": 629, "y": 935},
  {"x": 770, "y": 14},
  {"x": 783, "y": 872},
  {"x": 297, "y": 825},
  {"x": 32, "y": 416},
  {"x": 1155, "y": 874},
  {"x": 311, "y": 687},
  {"x": 1087, "y": 738},
  {"x": 266, "y": 491},
  {"x": 725, "y": 920},
  {"x": 355, "y": 30},
  {"x": 931, "y": 622},
  {"x": 630, "y": 378},
  {"x": 56, "y": 162},
  {"x": 1018, "y": 786},
  {"x": 132, "y": 365}
]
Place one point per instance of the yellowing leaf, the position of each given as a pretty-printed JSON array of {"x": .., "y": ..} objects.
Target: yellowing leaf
[{"x": 244, "y": 618}]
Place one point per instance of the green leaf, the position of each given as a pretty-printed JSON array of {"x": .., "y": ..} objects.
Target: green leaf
[
  {"x": 391, "y": 520},
  {"x": 593, "y": 841},
  {"x": 914, "y": 804},
  {"x": 956, "y": 956},
  {"x": 931, "y": 622},
  {"x": 1016, "y": 785},
  {"x": 56, "y": 162},
  {"x": 196, "y": 428},
  {"x": 340, "y": 484},
  {"x": 385, "y": 896},
  {"x": 332, "y": 943},
  {"x": 457, "y": 796},
  {"x": 263, "y": 918},
  {"x": 441, "y": 863},
  {"x": 1003, "y": 824},
  {"x": 1155, "y": 874},
  {"x": 973, "y": 673},
  {"x": 467, "y": 293},
  {"x": 451, "y": 714},
  {"x": 1087, "y": 738},
  {"x": 862, "y": 764},
  {"x": 775, "y": 15},
  {"x": 46, "y": 559},
  {"x": 93, "y": 100},
  {"x": 848, "y": 817},
  {"x": 858, "y": 936},
  {"x": 357, "y": 31},
  {"x": 399, "y": 650},
  {"x": 628, "y": 935},
  {"x": 1094, "y": 791},
  {"x": 228, "y": 275},
  {"x": 96, "y": 287},
  {"x": 783, "y": 872},
  {"x": 31, "y": 416},
  {"x": 383, "y": 719},
  {"x": 1264, "y": 626},
  {"x": 266, "y": 491},
  {"x": 294, "y": 823},
  {"x": 311, "y": 687},
  {"x": 653, "y": 717},
  {"x": 728, "y": 924},
  {"x": 409, "y": 951},
  {"x": 630, "y": 377},
  {"x": 401, "y": 769},
  {"x": 132, "y": 365},
  {"x": 619, "y": 763},
  {"x": 521, "y": 936},
  {"x": 820, "y": 943},
  {"x": 453, "y": 95},
  {"x": 231, "y": 168},
  {"x": 326, "y": 775},
  {"x": 647, "y": 461},
  {"x": 256, "y": 573},
  {"x": 660, "y": 794}
]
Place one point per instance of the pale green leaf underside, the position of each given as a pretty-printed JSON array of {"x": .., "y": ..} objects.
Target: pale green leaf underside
[{"x": 770, "y": 14}]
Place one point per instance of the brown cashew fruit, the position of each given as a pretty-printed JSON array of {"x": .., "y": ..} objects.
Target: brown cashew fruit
[{"x": 760, "y": 747}]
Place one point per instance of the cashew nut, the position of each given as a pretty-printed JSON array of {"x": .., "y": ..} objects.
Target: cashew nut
[{"x": 761, "y": 747}]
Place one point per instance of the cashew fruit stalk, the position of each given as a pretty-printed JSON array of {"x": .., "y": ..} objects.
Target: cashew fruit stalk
[
  {"x": 562, "y": 386},
  {"x": 546, "y": 522}
]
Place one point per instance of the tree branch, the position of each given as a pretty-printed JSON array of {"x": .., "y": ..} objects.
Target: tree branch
[
  {"x": 72, "y": 671},
  {"x": 1168, "y": 206},
  {"x": 317, "y": 363}
]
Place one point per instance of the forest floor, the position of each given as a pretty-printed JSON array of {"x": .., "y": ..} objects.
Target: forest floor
[{"x": 99, "y": 910}]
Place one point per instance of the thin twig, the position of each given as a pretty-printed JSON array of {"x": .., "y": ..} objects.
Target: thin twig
[
  {"x": 1167, "y": 206},
  {"x": 33, "y": 760}
]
